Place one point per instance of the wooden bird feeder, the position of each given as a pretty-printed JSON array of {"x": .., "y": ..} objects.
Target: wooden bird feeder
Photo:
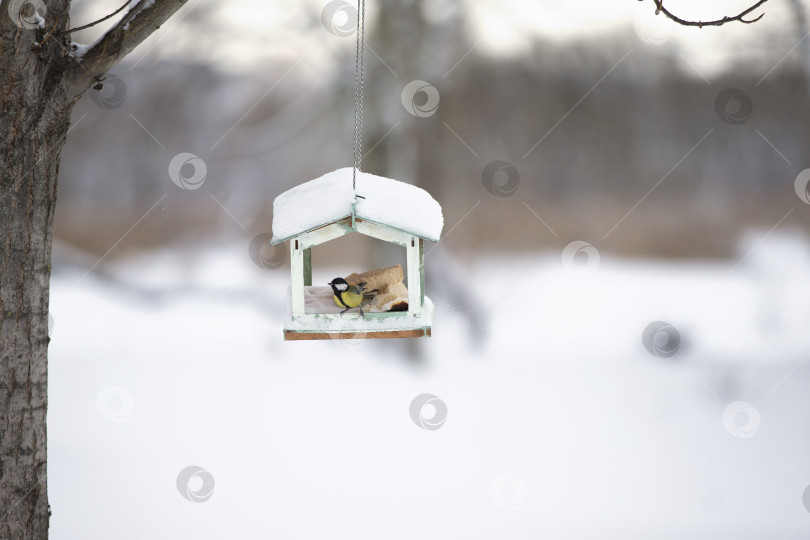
[{"x": 325, "y": 209}]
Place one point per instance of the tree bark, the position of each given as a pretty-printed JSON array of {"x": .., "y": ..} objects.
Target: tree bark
[
  {"x": 29, "y": 162},
  {"x": 34, "y": 119},
  {"x": 40, "y": 81}
]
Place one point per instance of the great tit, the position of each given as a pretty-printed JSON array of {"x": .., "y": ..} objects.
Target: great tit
[{"x": 347, "y": 296}]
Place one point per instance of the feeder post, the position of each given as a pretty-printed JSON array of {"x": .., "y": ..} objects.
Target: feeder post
[
  {"x": 308, "y": 267},
  {"x": 297, "y": 278},
  {"x": 416, "y": 275}
]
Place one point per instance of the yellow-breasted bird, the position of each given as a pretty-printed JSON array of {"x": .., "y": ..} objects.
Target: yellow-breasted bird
[{"x": 347, "y": 296}]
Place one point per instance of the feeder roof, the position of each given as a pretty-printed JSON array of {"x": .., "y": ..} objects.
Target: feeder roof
[{"x": 329, "y": 198}]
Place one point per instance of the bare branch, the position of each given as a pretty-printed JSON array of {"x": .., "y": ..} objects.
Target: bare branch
[
  {"x": 740, "y": 17},
  {"x": 116, "y": 12},
  {"x": 134, "y": 27}
]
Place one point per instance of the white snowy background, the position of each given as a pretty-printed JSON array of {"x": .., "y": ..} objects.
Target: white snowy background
[{"x": 560, "y": 423}]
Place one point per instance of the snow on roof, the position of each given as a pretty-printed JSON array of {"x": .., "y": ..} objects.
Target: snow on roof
[{"x": 330, "y": 197}]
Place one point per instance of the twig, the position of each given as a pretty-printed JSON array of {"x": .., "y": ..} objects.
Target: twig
[
  {"x": 116, "y": 12},
  {"x": 659, "y": 8},
  {"x": 49, "y": 34},
  {"x": 131, "y": 29}
]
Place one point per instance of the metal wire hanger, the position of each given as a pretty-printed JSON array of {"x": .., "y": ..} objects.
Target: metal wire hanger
[{"x": 359, "y": 76}]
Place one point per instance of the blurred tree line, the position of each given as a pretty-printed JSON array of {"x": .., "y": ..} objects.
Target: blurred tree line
[{"x": 634, "y": 136}]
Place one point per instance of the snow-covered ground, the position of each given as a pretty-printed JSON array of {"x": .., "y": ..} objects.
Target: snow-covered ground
[{"x": 560, "y": 423}]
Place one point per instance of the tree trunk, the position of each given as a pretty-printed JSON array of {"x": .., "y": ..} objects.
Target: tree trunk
[
  {"x": 34, "y": 119},
  {"x": 29, "y": 161}
]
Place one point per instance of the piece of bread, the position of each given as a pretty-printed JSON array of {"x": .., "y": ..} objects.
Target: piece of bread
[
  {"x": 391, "y": 297},
  {"x": 397, "y": 288},
  {"x": 378, "y": 278},
  {"x": 389, "y": 302}
]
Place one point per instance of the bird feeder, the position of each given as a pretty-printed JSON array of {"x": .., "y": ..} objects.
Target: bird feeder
[{"x": 326, "y": 208}]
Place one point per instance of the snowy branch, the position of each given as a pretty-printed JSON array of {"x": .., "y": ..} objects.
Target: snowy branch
[
  {"x": 143, "y": 18},
  {"x": 740, "y": 17}
]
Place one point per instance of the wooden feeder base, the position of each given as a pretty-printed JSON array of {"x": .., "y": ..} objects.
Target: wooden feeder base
[{"x": 294, "y": 335}]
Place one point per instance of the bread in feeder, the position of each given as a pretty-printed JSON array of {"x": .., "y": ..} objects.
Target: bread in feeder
[
  {"x": 377, "y": 279},
  {"x": 391, "y": 294}
]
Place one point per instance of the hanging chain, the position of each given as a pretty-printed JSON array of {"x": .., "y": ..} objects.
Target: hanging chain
[{"x": 358, "y": 92}]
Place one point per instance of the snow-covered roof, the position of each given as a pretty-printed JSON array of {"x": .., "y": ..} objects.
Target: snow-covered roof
[{"x": 330, "y": 198}]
